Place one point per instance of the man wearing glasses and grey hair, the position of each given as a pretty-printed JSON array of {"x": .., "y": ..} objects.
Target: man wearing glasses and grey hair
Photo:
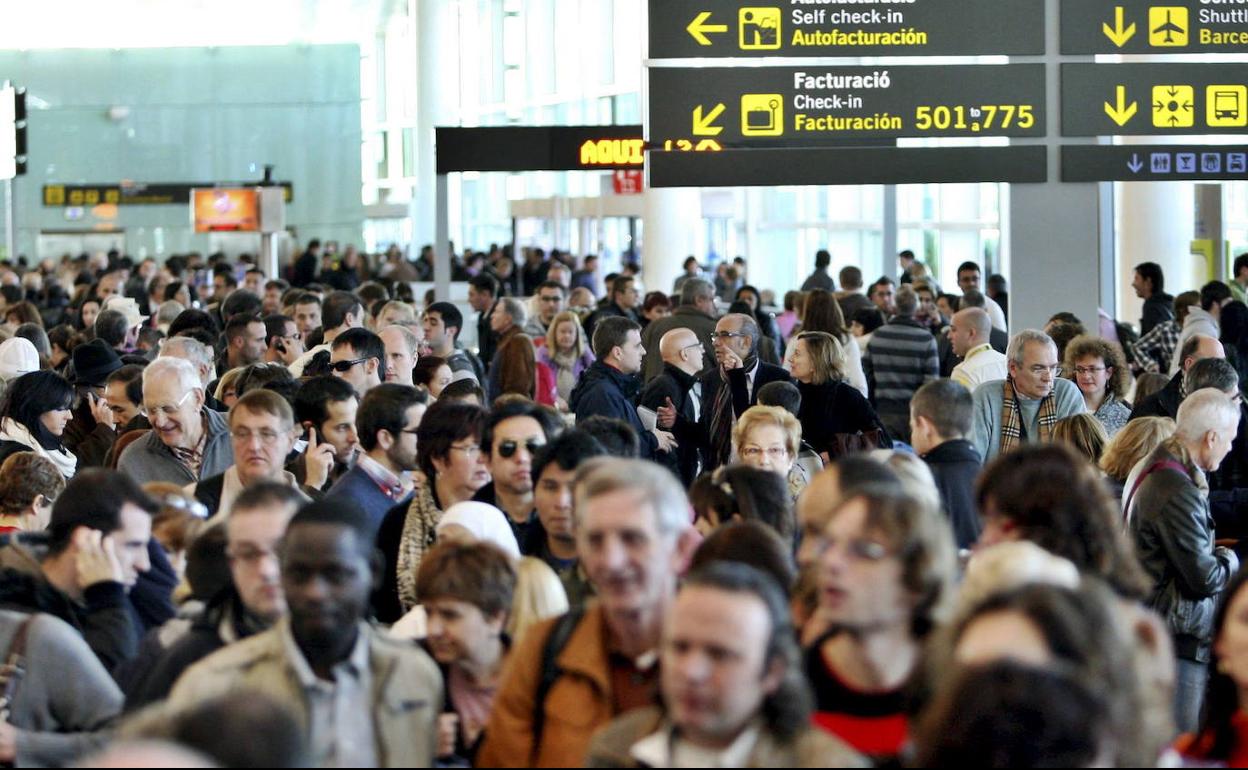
[
  {"x": 188, "y": 441},
  {"x": 1023, "y": 407}
]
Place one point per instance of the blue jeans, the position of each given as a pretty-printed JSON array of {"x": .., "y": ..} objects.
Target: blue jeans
[{"x": 1191, "y": 679}]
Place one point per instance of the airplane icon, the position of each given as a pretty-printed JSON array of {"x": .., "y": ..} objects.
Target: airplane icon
[{"x": 1167, "y": 27}]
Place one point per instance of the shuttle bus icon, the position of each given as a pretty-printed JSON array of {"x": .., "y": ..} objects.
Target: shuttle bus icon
[{"x": 1226, "y": 105}]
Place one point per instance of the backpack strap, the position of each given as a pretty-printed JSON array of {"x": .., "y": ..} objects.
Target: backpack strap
[
  {"x": 558, "y": 638},
  {"x": 14, "y": 667},
  {"x": 1150, "y": 470}
]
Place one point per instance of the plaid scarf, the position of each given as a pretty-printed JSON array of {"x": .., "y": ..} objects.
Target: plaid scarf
[
  {"x": 1012, "y": 430},
  {"x": 723, "y": 417},
  {"x": 193, "y": 457}
]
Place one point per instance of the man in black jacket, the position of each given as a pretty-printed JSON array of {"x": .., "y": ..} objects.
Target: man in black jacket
[
  {"x": 678, "y": 388},
  {"x": 621, "y": 302},
  {"x": 97, "y": 546},
  {"x": 1165, "y": 402},
  {"x": 940, "y": 418},
  {"x": 483, "y": 296},
  {"x": 609, "y": 387},
  {"x": 732, "y": 387},
  {"x": 304, "y": 270},
  {"x": 251, "y": 604}
]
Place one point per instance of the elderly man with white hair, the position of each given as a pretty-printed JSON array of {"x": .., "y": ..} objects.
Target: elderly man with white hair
[
  {"x": 201, "y": 358},
  {"x": 1025, "y": 406},
  {"x": 1170, "y": 522},
  {"x": 188, "y": 441}
]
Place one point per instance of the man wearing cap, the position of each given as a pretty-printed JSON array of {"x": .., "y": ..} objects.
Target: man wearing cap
[
  {"x": 129, "y": 308},
  {"x": 86, "y": 435}
]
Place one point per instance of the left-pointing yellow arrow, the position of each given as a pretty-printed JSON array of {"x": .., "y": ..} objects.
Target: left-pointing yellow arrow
[
  {"x": 699, "y": 27},
  {"x": 702, "y": 123}
]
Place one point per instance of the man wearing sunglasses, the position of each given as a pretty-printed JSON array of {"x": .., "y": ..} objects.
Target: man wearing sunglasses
[
  {"x": 513, "y": 435},
  {"x": 359, "y": 357},
  {"x": 341, "y": 311}
]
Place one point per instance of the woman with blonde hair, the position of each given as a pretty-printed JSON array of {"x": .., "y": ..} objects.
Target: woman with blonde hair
[
  {"x": 769, "y": 438},
  {"x": 1138, "y": 440},
  {"x": 835, "y": 417},
  {"x": 539, "y": 596},
  {"x": 227, "y": 386},
  {"x": 1084, "y": 433},
  {"x": 1099, "y": 368},
  {"x": 565, "y": 353},
  {"x": 822, "y": 313}
]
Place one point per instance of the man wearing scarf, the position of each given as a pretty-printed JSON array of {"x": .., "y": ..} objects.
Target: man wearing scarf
[
  {"x": 1023, "y": 407},
  {"x": 732, "y": 387}
]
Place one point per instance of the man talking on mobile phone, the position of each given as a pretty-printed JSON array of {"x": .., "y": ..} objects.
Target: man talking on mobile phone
[{"x": 96, "y": 547}]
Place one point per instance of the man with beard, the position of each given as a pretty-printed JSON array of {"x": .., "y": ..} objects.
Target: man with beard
[{"x": 382, "y": 476}]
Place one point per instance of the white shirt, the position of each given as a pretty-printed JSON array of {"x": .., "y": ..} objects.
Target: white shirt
[
  {"x": 995, "y": 313},
  {"x": 982, "y": 364},
  {"x": 666, "y": 749}
]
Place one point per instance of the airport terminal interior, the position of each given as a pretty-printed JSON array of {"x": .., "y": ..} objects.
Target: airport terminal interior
[{"x": 624, "y": 383}]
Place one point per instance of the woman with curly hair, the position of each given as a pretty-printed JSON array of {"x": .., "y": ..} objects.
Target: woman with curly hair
[{"x": 1099, "y": 368}]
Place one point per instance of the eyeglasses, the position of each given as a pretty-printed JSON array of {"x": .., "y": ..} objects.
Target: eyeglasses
[
  {"x": 1089, "y": 370},
  {"x": 345, "y": 366},
  {"x": 1036, "y": 371},
  {"x": 551, "y": 299},
  {"x": 727, "y": 335},
  {"x": 755, "y": 452},
  {"x": 193, "y": 507},
  {"x": 167, "y": 410},
  {"x": 248, "y": 555},
  {"x": 267, "y": 437},
  {"x": 508, "y": 448},
  {"x": 471, "y": 451},
  {"x": 690, "y": 347}
]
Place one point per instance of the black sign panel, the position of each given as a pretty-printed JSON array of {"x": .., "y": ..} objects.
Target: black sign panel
[
  {"x": 137, "y": 193},
  {"x": 1153, "y": 163},
  {"x": 1153, "y": 27},
  {"x": 539, "y": 148},
  {"x": 865, "y": 165},
  {"x": 1108, "y": 99},
  {"x": 682, "y": 29},
  {"x": 820, "y": 106}
]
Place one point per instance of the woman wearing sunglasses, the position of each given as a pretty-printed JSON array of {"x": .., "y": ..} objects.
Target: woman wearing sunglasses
[{"x": 452, "y": 469}]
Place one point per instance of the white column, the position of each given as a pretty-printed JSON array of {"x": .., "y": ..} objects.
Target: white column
[
  {"x": 1156, "y": 224},
  {"x": 673, "y": 231},
  {"x": 437, "y": 63}
]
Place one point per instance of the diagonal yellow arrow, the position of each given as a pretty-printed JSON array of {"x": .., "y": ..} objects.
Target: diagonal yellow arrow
[
  {"x": 702, "y": 123},
  {"x": 699, "y": 27},
  {"x": 1121, "y": 112},
  {"x": 1117, "y": 34}
]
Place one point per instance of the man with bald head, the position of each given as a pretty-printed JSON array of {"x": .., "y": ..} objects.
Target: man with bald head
[
  {"x": 969, "y": 333},
  {"x": 401, "y": 354},
  {"x": 1165, "y": 402},
  {"x": 677, "y": 388}
]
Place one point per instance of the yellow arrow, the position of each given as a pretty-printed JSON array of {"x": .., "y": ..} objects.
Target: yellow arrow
[
  {"x": 1123, "y": 112},
  {"x": 698, "y": 28},
  {"x": 702, "y": 123},
  {"x": 1117, "y": 34}
]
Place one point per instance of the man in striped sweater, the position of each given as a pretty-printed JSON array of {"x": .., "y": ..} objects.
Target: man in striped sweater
[{"x": 899, "y": 359}]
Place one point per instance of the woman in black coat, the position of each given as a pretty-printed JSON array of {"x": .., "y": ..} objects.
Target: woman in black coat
[{"x": 830, "y": 405}]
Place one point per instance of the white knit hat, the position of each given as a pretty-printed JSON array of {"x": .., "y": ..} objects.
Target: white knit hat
[{"x": 17, "y": 357}]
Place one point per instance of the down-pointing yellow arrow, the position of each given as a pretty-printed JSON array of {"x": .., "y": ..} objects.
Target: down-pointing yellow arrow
[
  {"x": 699, "y": 27},
  {"x": 702, "y": 123},
  {"x": 1122, "y": 112},
  {"x": 1117, "y": 34}
]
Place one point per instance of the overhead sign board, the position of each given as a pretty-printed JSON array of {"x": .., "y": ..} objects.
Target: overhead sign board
[
  {"x": 1161, "y": 99},
  {"x": 821, "y": 106},
  {"x": 682, "y": 29},
  {"x": 860, "y": 165},
  {"x": 1154, "y": 26},
  {"x": 135, "y": 193},
  {"x": 1153, "y": 163},
  {"x": 539, "y": 148}
]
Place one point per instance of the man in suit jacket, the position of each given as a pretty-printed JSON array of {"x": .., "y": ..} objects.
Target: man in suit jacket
[{"x": 736, "y": 350}]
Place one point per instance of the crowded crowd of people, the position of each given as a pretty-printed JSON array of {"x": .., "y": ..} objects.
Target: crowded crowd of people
[{"x": 312, "y": 519}]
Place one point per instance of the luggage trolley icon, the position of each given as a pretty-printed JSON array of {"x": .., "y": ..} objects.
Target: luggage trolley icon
[{"x": 762, "y": 115}]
